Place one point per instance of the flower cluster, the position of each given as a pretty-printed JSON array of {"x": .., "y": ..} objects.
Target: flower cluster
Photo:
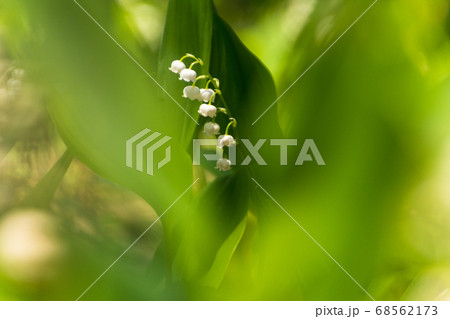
[{"x": 207, "y": 109}]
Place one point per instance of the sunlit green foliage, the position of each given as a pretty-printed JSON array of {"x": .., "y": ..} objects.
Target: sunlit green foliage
[{"x": 376, "y": 104}]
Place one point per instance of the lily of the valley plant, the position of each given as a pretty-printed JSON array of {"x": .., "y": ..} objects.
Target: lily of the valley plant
[{"x": 207, "y": 95}]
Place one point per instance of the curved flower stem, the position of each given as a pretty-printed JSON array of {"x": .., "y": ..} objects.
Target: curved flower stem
[
  {"x": 233, "y": 122},
  {"x": 195, "y": 62},
  {"x": 207, "y": 84},
  {"x": 199, "y": 78},
  {"x": 188, "y": 55},
  {"x": 220, "y": 93},
  {"x": 212, "y": 96}
]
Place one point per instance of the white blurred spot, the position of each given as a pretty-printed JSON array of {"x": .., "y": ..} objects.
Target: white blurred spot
[{"x": 29, "y": 246}]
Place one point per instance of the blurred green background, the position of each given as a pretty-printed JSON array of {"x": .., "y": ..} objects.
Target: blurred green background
[{"x": 377, "y": 105}]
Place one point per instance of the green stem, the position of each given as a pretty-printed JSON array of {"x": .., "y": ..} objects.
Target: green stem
[
  {"x": 228, "y": 127},
  {"x": 233, "y": 122},
  {"x": 188, "y": 55},
  {"x": 214, "y": 94},
  {"x": 221, "y": 96},
  {"x": 228, "y": 112},
  {"x": 224, "y": 103},
  {"x": 194, "y": 63},
  {"x": 199, "y": 78}
]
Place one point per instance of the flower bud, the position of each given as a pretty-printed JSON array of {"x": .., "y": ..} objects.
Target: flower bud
[
  {"x": 177, "y": 66},
  {"x": 211, "y": 128},
  {"x": 206, "y": 95},
  {"x": 225, "y": 140},
  {"x": 192, "y": 92},
  {"x": 207, "y": 110},
  {"x": 188, "y": 75},
  {"x": 223, "y": 164}
]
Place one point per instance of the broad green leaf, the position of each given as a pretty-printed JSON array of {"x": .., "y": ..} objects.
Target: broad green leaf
[
  {"x": 216, "y": 225},
  {"x": 248, "y": 88},
  {"x": 213, "y": 229},
  {"x": 365, "y": 104},
  {"x": 188, "y": 29},
  {"x": 215, "y": 274},
  {"x": 99, "y": 98}
]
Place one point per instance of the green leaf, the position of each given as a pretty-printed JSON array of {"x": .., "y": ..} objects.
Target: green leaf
[
  {"x": 188, "y": 29},
  {"x": 248, "y": 88},
  {"x": 99, "y": 98},
  {"x": 212, "y": 231},
  {"x": 215, "y": 274},
  {"x": 41, "y": 195}
]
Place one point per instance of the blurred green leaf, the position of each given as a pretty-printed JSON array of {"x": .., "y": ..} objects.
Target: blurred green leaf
[
  {"x": 248, "y": 88},
  {"x": 212, "y": 231},
  {"x": 100, "y": 98},
  {"x": 215, "y": 274},
  {"x": 41, "y": 195}
]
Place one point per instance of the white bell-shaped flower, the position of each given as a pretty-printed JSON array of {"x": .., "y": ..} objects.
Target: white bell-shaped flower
[
  {"x": 207, "y": 110},
  {"x": 223, "y": 164},
  {"x": 206, "y": 95},
  {"x": 225, "y": 140},
  {"x": 188, "y": 75},
  {"x": 192, "y": 93},
  {"x": 177, "y": 66},
  {"x": 211, "y": 128}
]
